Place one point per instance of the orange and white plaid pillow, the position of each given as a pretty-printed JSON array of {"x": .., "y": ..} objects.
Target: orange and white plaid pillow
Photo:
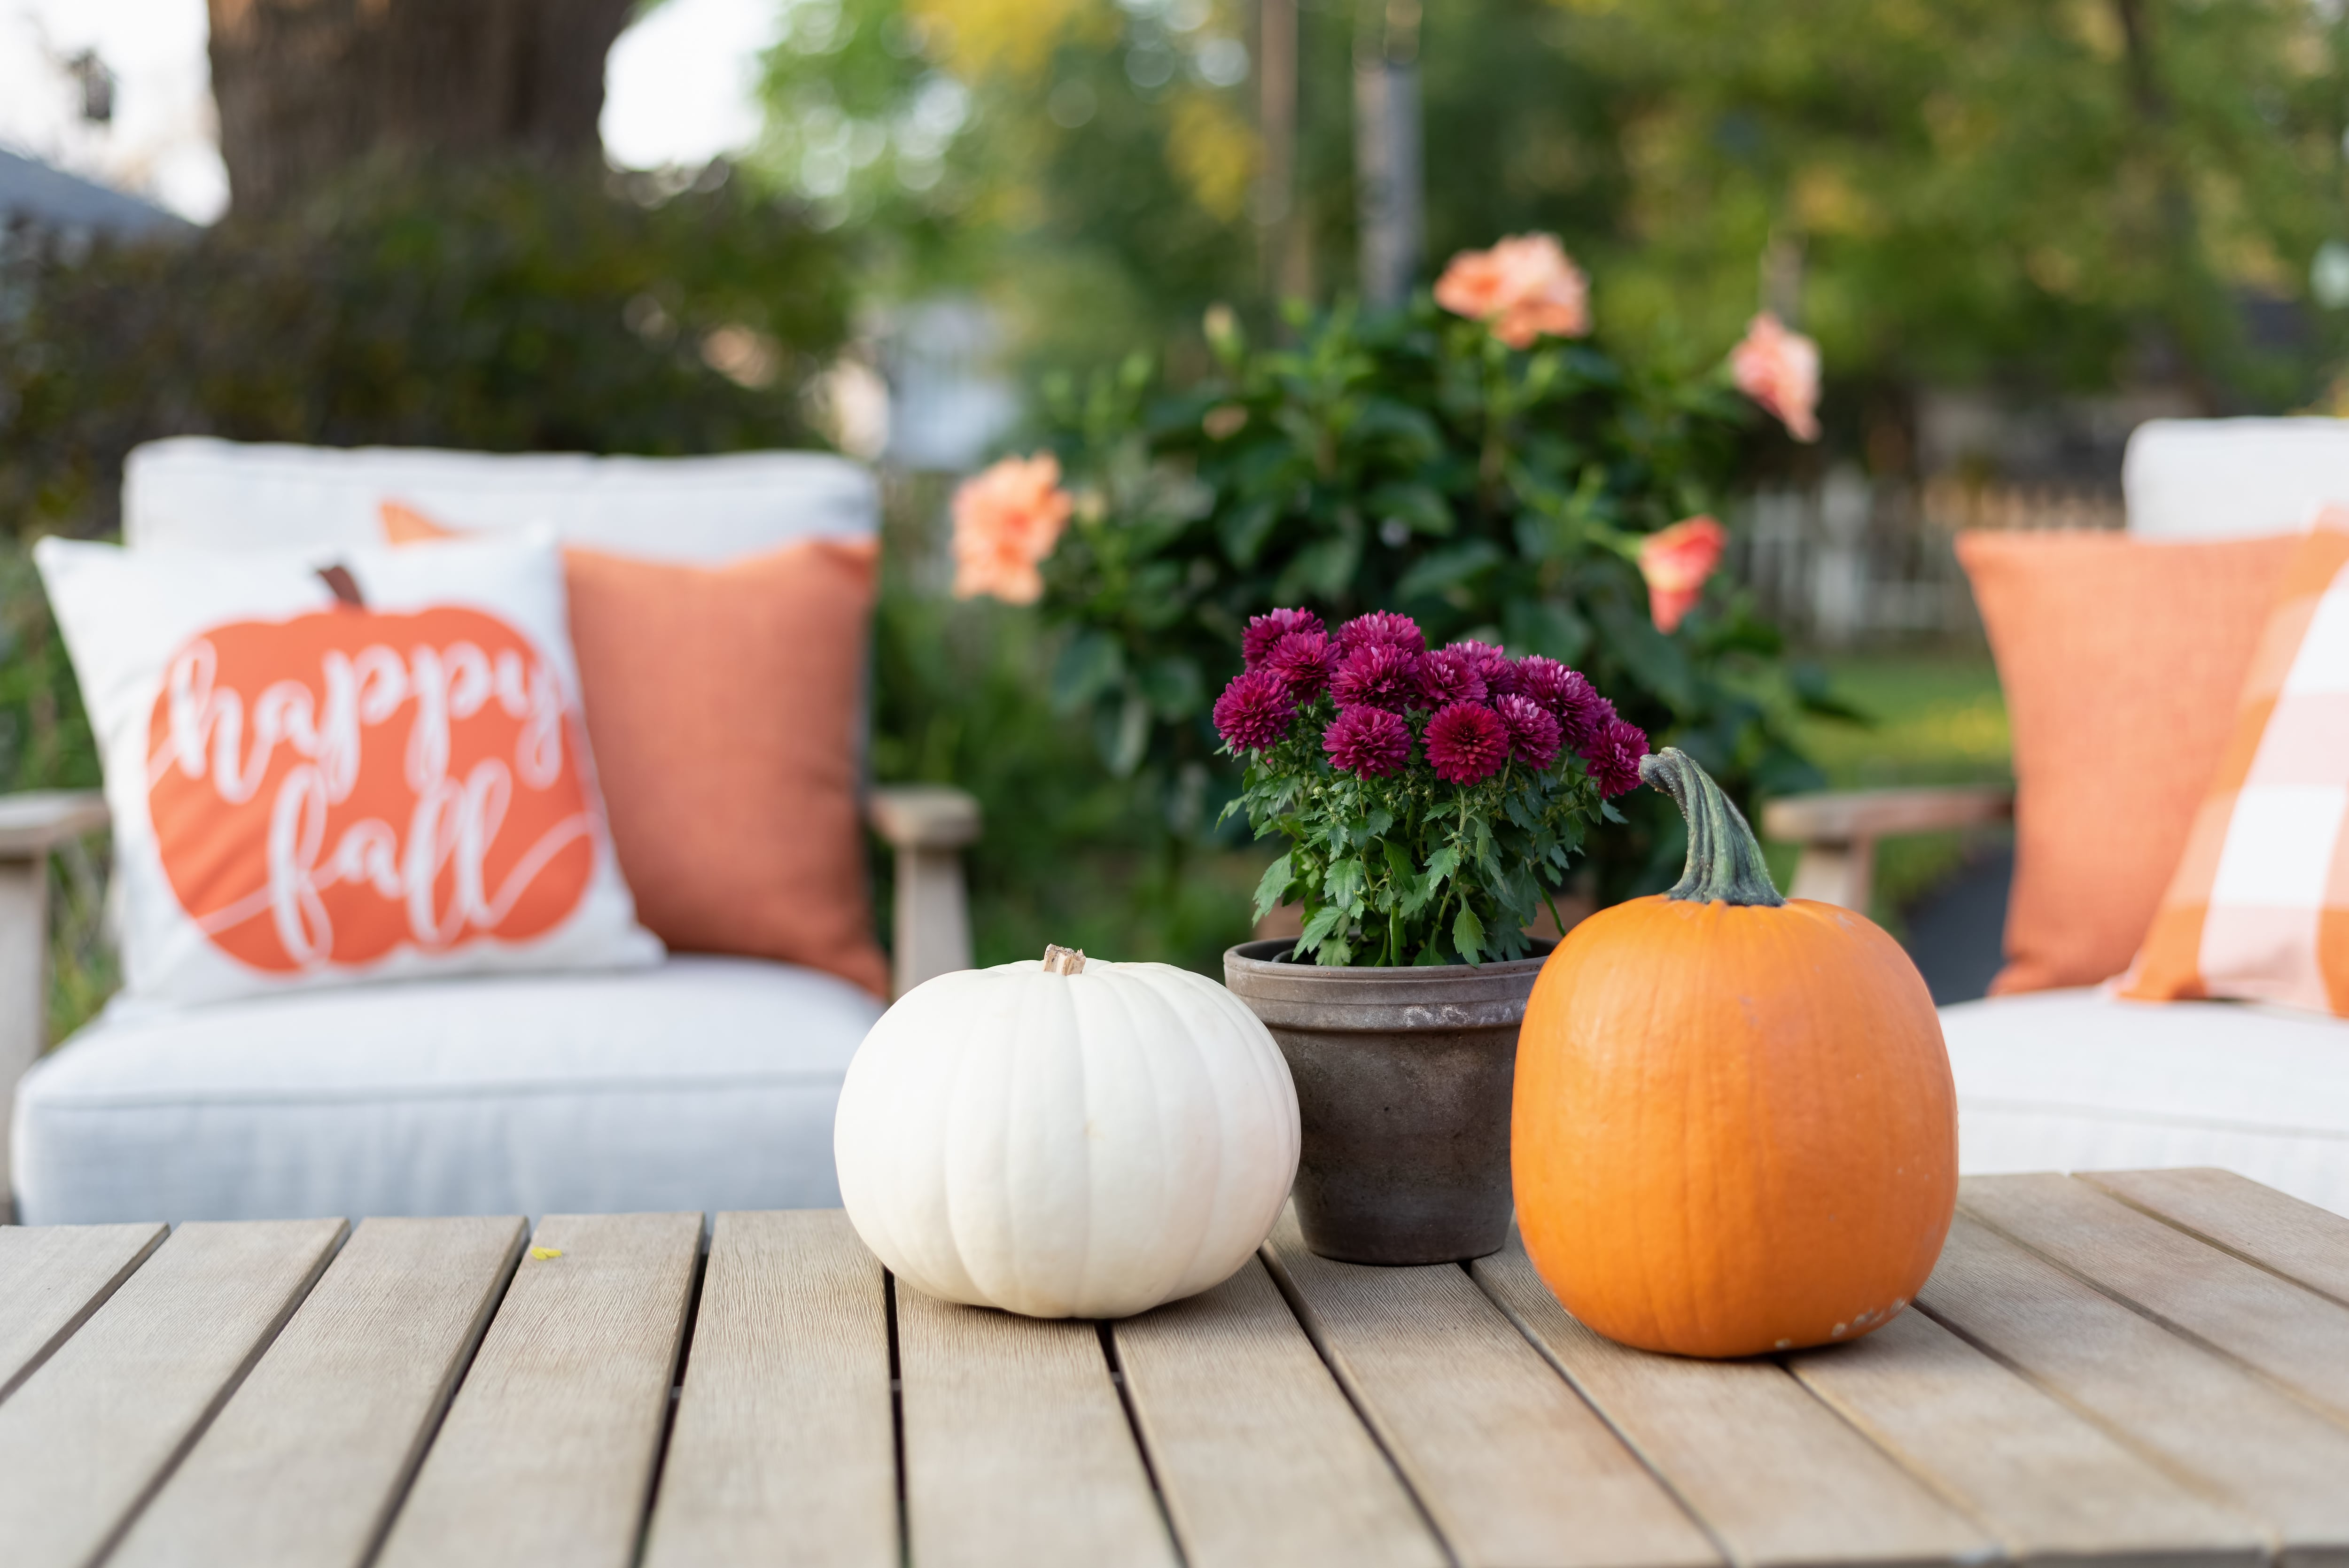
[{"x": 2259, "y": 908}]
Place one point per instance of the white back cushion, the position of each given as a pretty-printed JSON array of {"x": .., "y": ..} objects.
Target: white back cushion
[
  {"x": 194, "y": 492},
  {"x": 2218, "y": 479}
]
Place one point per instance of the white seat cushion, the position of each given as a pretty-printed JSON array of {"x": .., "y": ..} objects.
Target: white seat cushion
[
  {"x": 2076, "y": 1080},
  {"x": 707, "y": 1083}
]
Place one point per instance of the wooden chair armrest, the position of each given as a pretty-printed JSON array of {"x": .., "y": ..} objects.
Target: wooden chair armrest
[
  {"x": 31, "y": 825},
  {"x": 1838, "y": 831},
  {"x": 924, "y": 816},
  {"x": 38, "y": 821},
  {"x": 1840, "y": 818},
  {"x": 928, "y": 825}
]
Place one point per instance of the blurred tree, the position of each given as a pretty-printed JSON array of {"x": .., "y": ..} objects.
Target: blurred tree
[
  {"x": 2066, "y": 194},
  {"x": 306, "y": 88},
  {"x": 495, "y": 309}
]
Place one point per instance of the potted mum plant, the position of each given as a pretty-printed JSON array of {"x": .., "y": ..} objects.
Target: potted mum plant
[{"x": 1431, "y": 800}]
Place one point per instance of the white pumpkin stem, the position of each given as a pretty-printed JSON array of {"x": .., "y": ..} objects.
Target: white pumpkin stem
[{"x": 1063, "y": 960}]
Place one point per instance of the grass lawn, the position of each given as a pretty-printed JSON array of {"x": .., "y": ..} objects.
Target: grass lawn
[{"x": 1938, "y": 718}]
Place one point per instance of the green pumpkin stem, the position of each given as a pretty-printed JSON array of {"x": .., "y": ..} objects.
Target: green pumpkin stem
[{"x": 1725, "y": 863}]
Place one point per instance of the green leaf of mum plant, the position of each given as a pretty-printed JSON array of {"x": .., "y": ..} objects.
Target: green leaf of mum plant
[{"x": 1273, "y": 887}]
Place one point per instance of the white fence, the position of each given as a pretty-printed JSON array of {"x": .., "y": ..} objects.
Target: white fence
[{"x": 1853, "y": 560}]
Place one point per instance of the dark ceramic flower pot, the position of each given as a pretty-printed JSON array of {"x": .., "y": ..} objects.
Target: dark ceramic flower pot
[{"x": 1403, "y": 1077}]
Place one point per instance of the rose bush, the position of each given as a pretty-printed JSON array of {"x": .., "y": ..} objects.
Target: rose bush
[{"x": 1420, "y": 459}]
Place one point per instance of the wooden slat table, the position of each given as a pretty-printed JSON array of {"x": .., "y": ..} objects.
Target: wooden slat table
[{"x": 2144, "y": 1367}]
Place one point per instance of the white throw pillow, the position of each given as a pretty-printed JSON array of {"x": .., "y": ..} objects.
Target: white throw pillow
[{"x": 342, "y": 765}]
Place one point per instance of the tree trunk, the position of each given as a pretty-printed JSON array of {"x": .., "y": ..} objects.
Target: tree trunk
[
  {"x": 1281, "y": 228},
  {"x": 1387, "y": 147},
  {"x": 307, "y": 88}
]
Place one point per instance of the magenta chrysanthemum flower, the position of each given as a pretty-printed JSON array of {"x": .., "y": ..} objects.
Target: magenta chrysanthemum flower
[
  {"x": 1267, "y": 629},
  {"x": 1303, "y": 660},
  {"x": 1369, "y": 742},
  {"x": 1585, "y": 724},
  {"x": 1466, "y": 743},
  {"x": 1383, "y": 626},
  {"x": 1493, "y": 663},
  {"x": 1377, "y": 675},
  {"x": 1253, "y": 711},
  {"x": 1614, "y": 756},
  {"x": 1532, "y": 730},
  {"x": 1448, "y": 675},
  {"x": 1546, "y": 681}
]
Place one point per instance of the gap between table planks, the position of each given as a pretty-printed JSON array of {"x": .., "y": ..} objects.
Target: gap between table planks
[
  {"x": 305, "y": 1463},
  {"x": 2278, "y": 1232},
  {"x": 2209, "y": 1422},
  {"x": 2295, "y": 1337},
  {"x": 1258, "y": 1454},
  {"x": 1016, "y": 1446},
  {"x": 1511, "y": 1465},
  {"x": 784, "y": 1449},
  {"x": 2049, "y": 1483},
  {"x": 1779, "y": 1476},
  {"x": 52, "y": 1278},
  {"x": 92, "y": 1431},
  {"x": 547, "y": 1453}
]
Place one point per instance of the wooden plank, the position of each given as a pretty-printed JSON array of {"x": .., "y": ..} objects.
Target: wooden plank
[
  {"x": 2297, "y": 1240},
  {"x": 1509, "y": 1462},
  {"x": 2293, "y": 1335},
  {"x": 52, "y": 1277},
  {"x": 547, "y": 1453},
  {"x": 1258, "y": 1453},
  {"x": 1017, "y": 1446},
  {"x": 2048, "y": 1482},
  {"x": 2203, "y": 1416},
  {"x": 302, "y": 1467},
  {"x": 1779, "y": 1476},
  {"x": 785, "y": 1445},
  {"x": 89, "y": 1435}
]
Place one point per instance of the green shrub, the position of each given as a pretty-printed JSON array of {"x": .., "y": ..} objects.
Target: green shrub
[
  {"x": 501, "y": 309},
  {"x": 1407, "y": 460}
]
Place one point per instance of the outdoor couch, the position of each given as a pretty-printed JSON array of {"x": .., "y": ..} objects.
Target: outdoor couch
[
  {"x": 2078, "y": 1080},
  {"x": 704, "y": 1083}
]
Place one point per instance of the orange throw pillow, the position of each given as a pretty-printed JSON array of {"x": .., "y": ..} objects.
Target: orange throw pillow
[
  {"x": 2122, "y": 661},
  {"x": 2259, "y": 908},
  {"x": 723, "y": 707}
]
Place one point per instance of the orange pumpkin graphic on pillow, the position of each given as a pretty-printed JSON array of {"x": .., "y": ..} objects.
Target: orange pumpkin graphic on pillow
[{"x": 328, "y": 788}]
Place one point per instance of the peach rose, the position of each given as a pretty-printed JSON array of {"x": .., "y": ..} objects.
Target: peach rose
[
  {"x": 1006, "y": 521},
  {"x": 1525, "y": 287},
  {"x": 1780, "y": 370},
  {"x": 1676, "y": 561}
]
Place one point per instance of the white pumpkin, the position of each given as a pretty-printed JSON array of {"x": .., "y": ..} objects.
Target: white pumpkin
[{"x": 1066, "y": 1144}]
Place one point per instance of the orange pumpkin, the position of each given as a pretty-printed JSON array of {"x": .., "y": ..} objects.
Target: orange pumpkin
[
  {"x": 1735, "y": 1129},
  {"x": 332, "y": 787}
]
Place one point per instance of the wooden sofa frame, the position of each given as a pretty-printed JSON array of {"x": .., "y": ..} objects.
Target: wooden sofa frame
[
  {"x": 928, "y": 826},
  {"x": 1839, "y": 832}
]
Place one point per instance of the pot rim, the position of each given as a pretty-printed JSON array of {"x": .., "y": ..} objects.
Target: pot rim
[
  {"x": 1262, "y": 954},
  {"x": 1378, "y": 998}
]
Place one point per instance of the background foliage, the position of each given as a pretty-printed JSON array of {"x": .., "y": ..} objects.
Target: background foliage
[
  {"x": 2048, "y": 195},
  {"x": 1406, "y": 460}
]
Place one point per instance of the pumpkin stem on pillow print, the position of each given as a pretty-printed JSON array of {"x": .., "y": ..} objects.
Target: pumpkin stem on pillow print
[{"x": 329, "y": 788}]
